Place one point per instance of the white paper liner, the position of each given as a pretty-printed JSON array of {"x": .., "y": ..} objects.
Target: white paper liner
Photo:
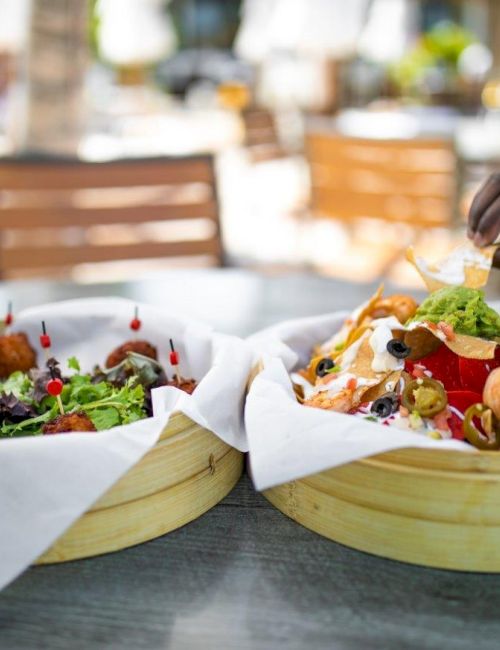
[
  {"x": 289, "y": 441},
  {"x": 47, "y": 482}
]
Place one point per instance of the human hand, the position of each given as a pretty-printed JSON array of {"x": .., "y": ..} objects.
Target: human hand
[{"x": 484, "y": 215}]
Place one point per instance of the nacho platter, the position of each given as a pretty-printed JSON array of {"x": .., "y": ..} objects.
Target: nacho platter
[{"x": 428, "y": 507}]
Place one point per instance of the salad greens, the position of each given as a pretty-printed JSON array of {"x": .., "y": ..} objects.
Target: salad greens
[{"x": 25, "y": 406}]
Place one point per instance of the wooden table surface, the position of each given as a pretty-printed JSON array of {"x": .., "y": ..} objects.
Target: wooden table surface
[{"x": 243, "y": 575}]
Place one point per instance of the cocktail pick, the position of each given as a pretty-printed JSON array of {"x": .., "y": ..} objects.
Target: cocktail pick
[
  {"x": 174, "y": 361},
  {"x": 135, "y": 323},
  {"x": 54, "y": 387},
  {"x": 45, "y": 341},
  {"x": 9, "y": 318}
]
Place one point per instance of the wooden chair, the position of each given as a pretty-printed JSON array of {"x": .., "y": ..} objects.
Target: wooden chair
[
  {"x": 261, "y": 135},
  {"x": 409, "y": 181},
  {"x": 56, "y": 214}
]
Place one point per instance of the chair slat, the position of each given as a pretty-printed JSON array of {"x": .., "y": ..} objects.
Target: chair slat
[
  {"x": 53, "y": 209},
  {"x": 54, "y": 256},
  {"x": 30, "y": 218},
  {"x": 409, "y": 181},
  {"x": 415, "y": 156},
  {"x": 49, "y": 176},
  {"x": 346, "y": 205}
]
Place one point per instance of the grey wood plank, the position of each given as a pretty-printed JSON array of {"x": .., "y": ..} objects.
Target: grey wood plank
[{"x": 245, "y": 576}]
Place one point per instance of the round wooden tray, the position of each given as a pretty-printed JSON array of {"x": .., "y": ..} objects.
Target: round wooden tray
[
  {"x": 187, "y": 472},
  {"x": 433, "y": 508}
]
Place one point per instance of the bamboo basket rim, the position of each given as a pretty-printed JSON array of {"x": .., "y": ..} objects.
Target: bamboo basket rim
[
  {"x": 178, "y": 426},
  {"x": 210, "y": 469},
  {"x": 168, "y": 431},
  {"x": 73, "y": 545},
  {"x": 475, "y": 461},
  {"x": 195, "y": 455}
]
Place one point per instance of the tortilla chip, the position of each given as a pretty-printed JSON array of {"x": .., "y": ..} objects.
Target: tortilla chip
[
  {"x": 362, "y": 365},
  {"x": 429, "y": 281},
  {"x": 299, "y": 392},
  {"x": 421, "y": 342},
  {"x": 374, "y": 392},
  {"x": 468, "y": 347},
  {"x": 471, "y": 347},
  {"x": 369, "y": 307},
  {"x": 467, "y": 266},
  {"x": 349, "y": 328},
  {"x": 310, "y": 372},
  {"x": 355, "y": 335},
  {"x": 477, "y": 277}
]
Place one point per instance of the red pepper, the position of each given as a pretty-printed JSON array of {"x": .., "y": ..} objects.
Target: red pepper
[
  {"x": 352, "y": 384},
  {"x": 460, "y": 400},
  {"x": 447, "y": 330},
  {"x": 418, "y": 372},
  {"x": 474, "y": 372},
  {"x": 443, "y": 364}
]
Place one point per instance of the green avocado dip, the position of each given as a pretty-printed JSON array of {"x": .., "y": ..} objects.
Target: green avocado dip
[{"x": 464, "y": 309}]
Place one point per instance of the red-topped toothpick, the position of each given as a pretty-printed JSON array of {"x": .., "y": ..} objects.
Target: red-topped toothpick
[
  {"x": 135, "y": 323},
  {"x": 45, "y": 341},
  {"x": 54, "y": 387},
  {"x": 174, "y": 361},
  {"x": 9, "y": 318}
]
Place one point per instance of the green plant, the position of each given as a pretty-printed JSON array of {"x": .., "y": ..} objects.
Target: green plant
[{"x": 439, "y": 48}]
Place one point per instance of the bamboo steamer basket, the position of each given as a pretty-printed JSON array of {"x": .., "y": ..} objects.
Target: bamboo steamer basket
[
  {"x": 186, "y": 473},
  {"x": 433, "y": 508}
]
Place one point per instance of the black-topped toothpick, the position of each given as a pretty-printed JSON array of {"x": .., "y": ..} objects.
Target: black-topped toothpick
[
  {"x": 9, "y": 317},
  {"x": 174, "y": 361}
]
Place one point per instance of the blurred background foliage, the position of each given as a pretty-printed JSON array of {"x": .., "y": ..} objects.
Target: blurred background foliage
[{"x": 437, "y": 51}]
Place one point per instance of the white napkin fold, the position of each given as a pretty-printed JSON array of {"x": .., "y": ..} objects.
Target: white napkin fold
[
  {"x": 47, "y": 482},
  {"x": 289, "y": 441}
]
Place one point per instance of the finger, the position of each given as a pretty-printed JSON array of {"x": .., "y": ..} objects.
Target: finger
[
  {"x": 488, "y": 227},
  {"x": 496, "y": 259},
  {"x": 486, "y": 195}
]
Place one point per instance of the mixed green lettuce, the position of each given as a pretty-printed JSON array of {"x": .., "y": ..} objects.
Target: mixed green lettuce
[{"x": 109, "y": 399}]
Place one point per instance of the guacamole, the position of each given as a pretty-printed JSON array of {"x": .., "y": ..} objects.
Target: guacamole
[{"x": 464, "y": 309}]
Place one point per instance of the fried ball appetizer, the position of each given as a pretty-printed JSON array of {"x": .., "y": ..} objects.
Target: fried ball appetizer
[
  {"x": 187, "y": 385},
  {"x": 140, "y": 347},
  {"x": 69, "y": 422},
  {"x": 403, "y": 307},
  {"x": 16, "y": 353}
]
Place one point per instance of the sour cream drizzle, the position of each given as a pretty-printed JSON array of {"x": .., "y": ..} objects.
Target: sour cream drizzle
[{"x": 383, "y": 360}]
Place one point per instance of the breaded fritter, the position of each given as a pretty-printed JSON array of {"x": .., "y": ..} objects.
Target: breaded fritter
[
  {"x": 401, "y": 306},
  {"x": 120, "y": 353},
  {"x": 16, "y": 353},
  {"x": 187, "y": 385},
  {"x": 69, "y": 422}
]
